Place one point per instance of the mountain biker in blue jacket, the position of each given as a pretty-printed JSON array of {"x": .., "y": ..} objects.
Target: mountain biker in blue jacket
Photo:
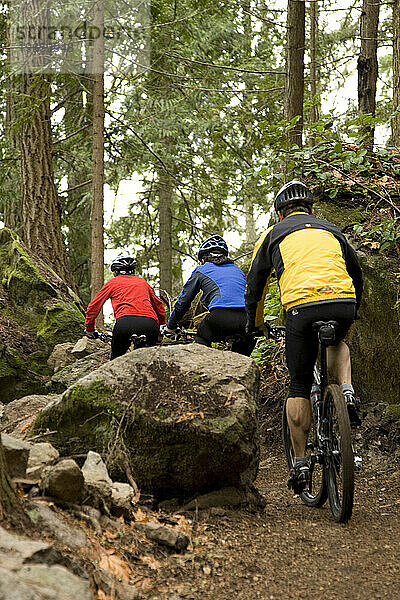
[{"x": 223, "y": 285}]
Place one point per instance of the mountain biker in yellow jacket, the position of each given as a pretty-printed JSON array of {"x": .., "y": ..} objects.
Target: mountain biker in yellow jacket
[{"x": 320, "y": 278}]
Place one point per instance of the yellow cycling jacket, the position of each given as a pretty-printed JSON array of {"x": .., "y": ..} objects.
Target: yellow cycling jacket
[{"x": 313, "y": 262}]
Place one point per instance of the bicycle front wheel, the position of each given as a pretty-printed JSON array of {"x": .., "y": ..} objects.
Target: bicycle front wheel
[
  {"x": 339, "y": 456},
  {"x": 316, "y": 494}
]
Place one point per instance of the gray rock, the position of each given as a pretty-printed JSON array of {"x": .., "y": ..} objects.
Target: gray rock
[
  {"x": 186, "y": 415},
  {"x": 41, "y": 582},
  {"x": 40, "y": 456},
  {"x": 61, "y": 356},
  {"x": 121, "y": 498},
  {"x": 44, "y": 517},
  {"x": 166, "y": 536},
  {"x": 230, "y": 497},
  {"x": 63, "y": 480},
  {"x": 16, "y": 453},
  {"x": 97, "y": 480},
  {"x": 18, "y": 413},
  {"x": 86, "y": 346},
  {"x": 69, "y": 375},
  {"x": 21, "y": 548}
]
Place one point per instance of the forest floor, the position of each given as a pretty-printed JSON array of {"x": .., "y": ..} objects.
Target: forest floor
[
  {"x": 289, "y": 551},
  {"x": 284, "y": 551}
]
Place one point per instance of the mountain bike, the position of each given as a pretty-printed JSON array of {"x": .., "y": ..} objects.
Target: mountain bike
[{"x": 329, "y": 449}]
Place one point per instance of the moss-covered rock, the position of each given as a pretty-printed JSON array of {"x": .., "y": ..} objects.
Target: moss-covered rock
[
  {"x": 374, "y": 339},
  {"x": 37, "y": 311},
  {"x": 184, "y": 417}
]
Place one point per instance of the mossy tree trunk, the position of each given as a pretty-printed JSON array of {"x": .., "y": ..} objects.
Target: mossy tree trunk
[
  {"x": 396, "y": 74},
  {"x": 41, "y": 207},
  {"x": 9, "y": 502}
]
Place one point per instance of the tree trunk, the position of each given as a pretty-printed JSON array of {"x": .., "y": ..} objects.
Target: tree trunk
[
  {"x": 367, "y": 66},
  {"x": 396, "y": 74},
  {"x": 9, "y": 502},
  {"x": 97, "y": 216},
  {"x": 165, "y": 197},
  {"x": 41, "y": 207},
  {"x": 246, "y": 149},
  {"x": 12, "y": 201},
  {"x": 77, "y": 205},
  {"x": 294, "y": 82},
  {"x": 313, "y": 68}
]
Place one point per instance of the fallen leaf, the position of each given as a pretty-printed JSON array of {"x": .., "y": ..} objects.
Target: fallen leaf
[
  {"x": 151, "y": 562},
  {"x": 115, "y": 565},
  {"x": 102, "y": 596},
  {"x": 183, "y": 525},
  {"x": 140, "y": 516}
]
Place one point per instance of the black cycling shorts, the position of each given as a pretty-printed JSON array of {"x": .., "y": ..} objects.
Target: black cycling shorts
[
  {"x": 302, "y": 341},
  {"x": 125, "y": 326},
  {"x": 221, "y": 323}
]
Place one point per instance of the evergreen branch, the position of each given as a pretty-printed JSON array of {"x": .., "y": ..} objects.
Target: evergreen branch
[
  {"x": 224, "y": 67},
  {"x": 75, "y": 187},
  {"x": 72, "y": 134}
]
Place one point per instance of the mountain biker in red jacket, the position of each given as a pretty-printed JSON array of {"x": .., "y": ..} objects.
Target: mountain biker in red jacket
[{"x": 136, "y": 307}]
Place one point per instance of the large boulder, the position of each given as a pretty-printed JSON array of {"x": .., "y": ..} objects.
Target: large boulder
[
  {"x": 184, "y": 417},
  {"x": 373, "y": 340},
  {"x": 37, "y": 311},
  {"x": 72, "y": 373}
]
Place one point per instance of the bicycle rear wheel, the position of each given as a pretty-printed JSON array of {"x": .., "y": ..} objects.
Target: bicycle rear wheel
[
  {"x": 339, "y": 457},
  {"x": 316, "y": 494}
]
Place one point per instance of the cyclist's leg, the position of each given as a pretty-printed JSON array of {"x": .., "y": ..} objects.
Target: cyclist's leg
[
  {"x": 222, "y": 323},
  {"x": 120, "y": 337},
  {"x": 301, "y": 354},
  {"x": 126, "y": 326},
  {"x": 339, "y": 357},
  {"x": 204, "y": 335},
  {"x": 146, "y": 326},
  {"x": 339, "y": 362}
]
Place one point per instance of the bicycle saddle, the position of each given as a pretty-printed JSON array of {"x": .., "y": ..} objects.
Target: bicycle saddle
[{"x": 326, "y": 331}]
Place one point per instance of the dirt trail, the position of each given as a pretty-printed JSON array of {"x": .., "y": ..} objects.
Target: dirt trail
[{"x": 289, "y": 551}]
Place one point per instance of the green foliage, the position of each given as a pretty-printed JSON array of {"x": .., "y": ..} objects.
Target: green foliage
[{"x": 387, "y": 233}]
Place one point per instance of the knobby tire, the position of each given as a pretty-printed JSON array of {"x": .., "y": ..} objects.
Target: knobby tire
[{"x": 339, "y": 460}]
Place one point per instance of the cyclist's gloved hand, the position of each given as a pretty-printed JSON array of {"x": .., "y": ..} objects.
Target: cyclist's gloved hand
[{"x": 92, "y": 335}]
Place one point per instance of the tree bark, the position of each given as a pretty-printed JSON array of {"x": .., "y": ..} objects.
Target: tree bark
[
  {"x": 77, "y": 206},
  {"x": 294, "y": 82},
  {"x": 396, "y": 74},
  {"x": 97, "y": 215},
  {"x": 246, "y": 150},
  {"x": 9, "y": 501},
  {"x": 314, "y": 112},
  {"x": 41, "y": 207},
  {"x": 367, "y": 66},
  {"x": 165, "y": 198}
]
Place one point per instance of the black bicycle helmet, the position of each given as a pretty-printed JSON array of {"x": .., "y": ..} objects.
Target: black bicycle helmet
[
  {"x": 123, "y": 263},
  {"x": 292, "y": 192},
  {"x": 215, "y": 243}
]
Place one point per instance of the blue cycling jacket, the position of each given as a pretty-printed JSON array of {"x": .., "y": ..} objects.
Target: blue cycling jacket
[{"x": 223, "y": 286}]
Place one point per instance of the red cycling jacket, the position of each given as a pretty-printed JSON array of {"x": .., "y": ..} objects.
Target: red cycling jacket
[{"x": 129, "y": 295}]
